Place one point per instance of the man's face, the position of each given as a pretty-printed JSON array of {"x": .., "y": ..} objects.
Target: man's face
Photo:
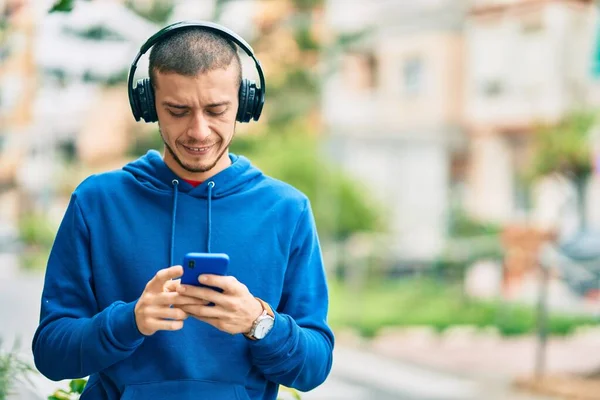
[{"x": 196, "y": 117}]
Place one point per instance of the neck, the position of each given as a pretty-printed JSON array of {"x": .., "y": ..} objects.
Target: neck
[{"x": 221, "y": 165}]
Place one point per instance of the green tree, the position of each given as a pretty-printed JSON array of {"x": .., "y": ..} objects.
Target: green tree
[{"x": 564, "y": 148}]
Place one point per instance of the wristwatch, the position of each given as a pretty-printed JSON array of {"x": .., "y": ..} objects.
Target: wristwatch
[{"x": 263, "y": 324}]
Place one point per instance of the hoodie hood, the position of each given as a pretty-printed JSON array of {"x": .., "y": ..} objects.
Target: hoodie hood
[{"x": 151, "y": 170}]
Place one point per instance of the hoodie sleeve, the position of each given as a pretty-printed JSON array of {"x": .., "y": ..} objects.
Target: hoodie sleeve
[
  {"x": 74, "y": 338},
  {"x": 297, "y": 352}
]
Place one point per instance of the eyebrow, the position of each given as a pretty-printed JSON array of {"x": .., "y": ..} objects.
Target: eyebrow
[
  {"x": 174, "y": 105},
  {"x": 211, "y": 105}
]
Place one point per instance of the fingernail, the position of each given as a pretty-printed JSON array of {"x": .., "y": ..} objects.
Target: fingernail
[
  {"x": 181, "y": 289},
  {"x": 203, "y": 278}
]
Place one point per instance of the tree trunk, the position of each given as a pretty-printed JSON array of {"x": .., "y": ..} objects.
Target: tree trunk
[{"x": 580, "y": 186}]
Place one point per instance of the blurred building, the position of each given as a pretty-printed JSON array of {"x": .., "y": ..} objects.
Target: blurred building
[
  {"x": 527, "y": 61},
  {"x": 17, "y": 94},
  {"x": 57, "y": 100},
  {"x": 393, "y": 110}
]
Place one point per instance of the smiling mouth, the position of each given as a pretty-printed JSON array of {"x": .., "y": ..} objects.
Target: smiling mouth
[{"x": 197, "y": 150}]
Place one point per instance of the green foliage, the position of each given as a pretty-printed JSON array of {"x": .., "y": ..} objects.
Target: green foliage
[
  {"x": 305, "y": 39},
  {"x": 37, "y": 230},
  {"x": 294, "y": 96},
  {"x": 304, "y": 5},
  {"x": 62, "y": 6},
  {"x": 115, "y": 79},
  {"x": 159, "y": 11},
  {"x": 144, "y": 142},
  {"x": 96, "y": 32},
  {"x": 565, "y": 147},
  {"x": 37, "y": 233},
  {"x": 12, "y": 370},
  {"x": 76, "y": 387},
  {"x": 292, "y": 392},
  {"x": 341, "y": 207},
  {"x": 469, "y": 240},
  {"x": 463, "y": 225},
  {"x": 426, "y": 302}
]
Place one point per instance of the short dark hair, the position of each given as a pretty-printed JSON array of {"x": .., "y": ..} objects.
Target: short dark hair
[{"x": 191, "y": 52}]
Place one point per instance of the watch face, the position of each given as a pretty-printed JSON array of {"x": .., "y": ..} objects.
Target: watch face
[{"x": 263, "y": 327}]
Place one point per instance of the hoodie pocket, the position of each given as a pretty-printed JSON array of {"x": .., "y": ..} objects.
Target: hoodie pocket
[{"x": 184, "y": 390}]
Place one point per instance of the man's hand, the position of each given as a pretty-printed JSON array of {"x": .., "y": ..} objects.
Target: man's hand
[
  {"x": 234, "y": 310},
  {"x": 153, "y": 311}
]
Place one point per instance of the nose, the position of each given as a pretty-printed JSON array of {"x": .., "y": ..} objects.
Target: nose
[{"x": 199, "y": 127}]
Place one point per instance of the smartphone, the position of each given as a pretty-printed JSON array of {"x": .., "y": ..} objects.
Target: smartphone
[{"x": 196, "y": 264}]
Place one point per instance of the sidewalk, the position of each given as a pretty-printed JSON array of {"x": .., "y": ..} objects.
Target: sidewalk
[
  {"x": 410, "y": 380},
  {"x": 489, "y": 356},
  {"x": 499, "y": 362}
]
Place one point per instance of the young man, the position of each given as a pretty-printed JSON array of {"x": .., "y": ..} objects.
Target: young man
[{"x": 111, "y": 308}]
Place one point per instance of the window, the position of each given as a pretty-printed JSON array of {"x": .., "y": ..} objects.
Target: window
[
  {"x": 532, "y": 24},
  {"x": 412, "y": 76},
  {"x": 67, "y": 149},
  {"x": 492, "y": 88}
]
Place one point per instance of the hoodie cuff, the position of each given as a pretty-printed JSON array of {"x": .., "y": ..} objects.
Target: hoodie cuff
[
  {"x": 275, "y": 340},
  {"x": 122, "y": 327}
]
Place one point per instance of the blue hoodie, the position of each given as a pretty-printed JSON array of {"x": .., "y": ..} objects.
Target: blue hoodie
[{"x": 121, "y": 227}]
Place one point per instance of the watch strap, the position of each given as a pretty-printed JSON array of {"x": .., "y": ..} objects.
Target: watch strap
[
  {"x": 266, "y": 310},
  {"x": 266, "y": 307}
]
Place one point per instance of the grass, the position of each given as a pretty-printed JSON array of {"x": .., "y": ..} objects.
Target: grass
[
  {"x": 425, "y": 302},
  {"x": 13, "y": 370}
]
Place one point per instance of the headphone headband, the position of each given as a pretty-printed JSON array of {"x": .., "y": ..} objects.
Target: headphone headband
[{"x": 177, "y": 26}]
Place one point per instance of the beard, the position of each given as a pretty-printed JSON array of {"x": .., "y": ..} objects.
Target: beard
[{"x": 198, "y": 167}]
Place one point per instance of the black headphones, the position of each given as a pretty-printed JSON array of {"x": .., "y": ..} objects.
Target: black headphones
[{"x": 141, "y": 98}]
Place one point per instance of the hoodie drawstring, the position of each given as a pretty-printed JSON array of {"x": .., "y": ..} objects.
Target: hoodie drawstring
[
  {"x": 211, "y": 185},
  {"x": 175, "y": 183}
]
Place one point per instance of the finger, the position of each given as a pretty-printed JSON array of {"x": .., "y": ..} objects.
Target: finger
[
  {"x": 215, "y": 312},
  {"x": 157, "y": 283},
  {"x": 168, "y": 313},
  {"x": 166, "y": 298},
  {"x": 175, "y": 298},
  {"x": 182, "y": 300},
  {"x": 166, "y": 325},
  {"x": 172, "y": 285},
  {"x": 192, "y": 302},
  {"x": 210, "y": 295},
  {"x": 227, "y": 283}
]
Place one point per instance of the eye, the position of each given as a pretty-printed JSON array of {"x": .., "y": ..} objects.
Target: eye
[
  {"x": 177, "y": 114},
  {"x": 216, "y": 111}
]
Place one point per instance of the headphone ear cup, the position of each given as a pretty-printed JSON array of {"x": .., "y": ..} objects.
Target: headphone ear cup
[
  {"x": 135, "y": 97},
  {"x": 243, "y": 102},
  {"x": 144, "y": 101},
  {"x": 150, "y": 105},
  {"x": 259, "y": 101},
  {"x": 251, "y": 100}
]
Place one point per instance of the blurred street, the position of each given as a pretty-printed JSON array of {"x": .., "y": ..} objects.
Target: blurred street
[{"x": 356, "y": 375}]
